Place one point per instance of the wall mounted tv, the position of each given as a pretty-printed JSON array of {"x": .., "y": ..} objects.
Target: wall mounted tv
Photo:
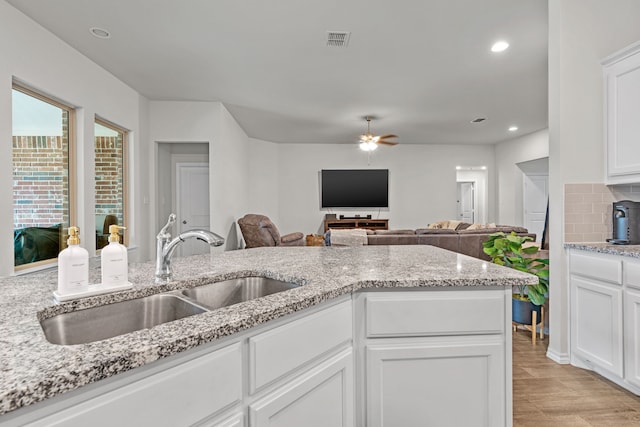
[{"x": 354, "y": 188}]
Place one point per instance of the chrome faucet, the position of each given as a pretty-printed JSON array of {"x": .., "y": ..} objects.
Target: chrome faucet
[{"x": 165, "y": 247}]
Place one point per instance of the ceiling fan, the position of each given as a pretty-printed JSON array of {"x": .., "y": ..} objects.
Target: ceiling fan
[{"x": 369, "y": 141}]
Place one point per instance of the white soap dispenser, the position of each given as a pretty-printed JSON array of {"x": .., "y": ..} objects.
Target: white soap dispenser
[
  {"x": 73, "y": 265},
  {"x": 114, "y": 260}
]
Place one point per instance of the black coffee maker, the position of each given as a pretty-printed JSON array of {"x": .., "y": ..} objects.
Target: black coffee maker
[{"x": 626, "y": 223}]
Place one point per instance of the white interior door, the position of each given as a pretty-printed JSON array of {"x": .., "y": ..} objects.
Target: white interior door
[
  {"x": 192, "y": 196},
  {"x": 466, "y": 202},
  {"x": 536, "y": 195}
]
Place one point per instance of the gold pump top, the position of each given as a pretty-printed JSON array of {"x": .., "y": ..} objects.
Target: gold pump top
[
  {"x": 74, "y": 236},
  {"x": 114, "y": 236}
]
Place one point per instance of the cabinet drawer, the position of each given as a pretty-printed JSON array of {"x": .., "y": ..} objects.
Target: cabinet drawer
[
  {"x": 631, "y": 269},
  {"x": 600, "y": 267},
  {"x": 181, "y": 395},
  {"x": 434, "y": 313},
  {"x": 279, "y": 351}
]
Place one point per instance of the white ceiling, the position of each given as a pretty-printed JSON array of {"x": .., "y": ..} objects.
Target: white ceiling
[{"x": 422, "y": 67}]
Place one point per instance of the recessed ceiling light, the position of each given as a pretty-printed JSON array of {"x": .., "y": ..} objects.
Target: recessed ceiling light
[
  {"x": 100, "y": 33},
  {"x": 513, "y": 128},
  {"x": 499, "y": 46}
]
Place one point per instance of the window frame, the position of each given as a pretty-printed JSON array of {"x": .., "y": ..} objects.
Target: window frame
[
  {"x": 125, "y": 174},
  {"x": 71, "y": 171}
]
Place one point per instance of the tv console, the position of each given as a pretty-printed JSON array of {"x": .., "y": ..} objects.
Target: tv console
[
  {"x": 355, "y": 217},
  {"x": 345, "y": 224}
]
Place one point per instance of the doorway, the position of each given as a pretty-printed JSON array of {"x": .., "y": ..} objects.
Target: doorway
[
  {"x": 192, "y": 207},
  {"x": 183, "y": 189},
  {"x": 466, "y": 201},
  {"x": 536, "y": 196},
  {"x": 471, "y": 195}
]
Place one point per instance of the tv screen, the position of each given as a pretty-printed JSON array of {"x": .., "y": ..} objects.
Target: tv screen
[{"x": 355, "y": 188}]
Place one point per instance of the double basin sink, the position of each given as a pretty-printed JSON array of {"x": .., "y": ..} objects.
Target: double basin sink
[{"x": 107, "y": 321}]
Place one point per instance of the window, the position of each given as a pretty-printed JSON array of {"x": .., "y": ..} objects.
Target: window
[
  {"x": 42, "y": 183},
  {"x": 110, "y": 180}
]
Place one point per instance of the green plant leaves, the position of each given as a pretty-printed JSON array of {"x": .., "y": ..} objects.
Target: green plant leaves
[{"x": 506, "y": 250}]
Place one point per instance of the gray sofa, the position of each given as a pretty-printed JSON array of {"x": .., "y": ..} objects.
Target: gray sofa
[{"x": 467, "y": 242}]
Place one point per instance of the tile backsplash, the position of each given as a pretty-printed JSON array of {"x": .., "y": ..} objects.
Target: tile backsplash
[{"x": 588, "y": 207}]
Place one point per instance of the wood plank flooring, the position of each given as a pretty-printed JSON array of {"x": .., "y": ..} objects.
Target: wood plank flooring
[{"x": 548, "y": 394}]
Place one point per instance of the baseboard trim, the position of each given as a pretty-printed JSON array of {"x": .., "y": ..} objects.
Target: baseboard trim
[{"x": 561, "y": 358}]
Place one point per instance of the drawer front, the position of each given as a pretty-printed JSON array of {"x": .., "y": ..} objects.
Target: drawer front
[
  {"x": 599, "y": 267},
  {"x": 181, "y": 395},
  {"x": 435, "y": 313},
  {"x": 631, "y": 269},
  {"x": 284, "y": 349}
]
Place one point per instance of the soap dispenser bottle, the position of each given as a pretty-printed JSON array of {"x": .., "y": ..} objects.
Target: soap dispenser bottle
[
  {"x": 73, "y": 264},
  {"x": 113, "y": 259}
]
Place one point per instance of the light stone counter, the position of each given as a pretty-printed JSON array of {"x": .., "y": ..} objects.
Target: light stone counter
[
  {"x": 32, "y": 369},
  {"x": 607, "y": 248}
]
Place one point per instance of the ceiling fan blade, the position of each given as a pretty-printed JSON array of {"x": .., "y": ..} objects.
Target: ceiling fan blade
[
  {"x": 387, "y": 136},
  {"x": 387, "y": 142}
]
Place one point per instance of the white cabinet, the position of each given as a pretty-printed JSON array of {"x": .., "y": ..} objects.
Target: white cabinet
[
  {"x": 632, "y": 336},
  {"x": 605, "y": 316},
  {"x": 596, "y": 324},
  {"x": 444, "y": 381},
  {"x": 181, "y": 395},
  {"x": 426, "y": 352},
  {"x": 321, "y": 397},
  {"x": 622, "y": 127}
]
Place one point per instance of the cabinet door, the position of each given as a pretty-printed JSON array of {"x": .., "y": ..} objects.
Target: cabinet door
[
  {"x": 622, "y": 127},
  {"x": 322, "y": 397},
  {"x": 596, "y": 324},
  {"x": 632, "y": 337},
  {"x": 447, "y": 381}
]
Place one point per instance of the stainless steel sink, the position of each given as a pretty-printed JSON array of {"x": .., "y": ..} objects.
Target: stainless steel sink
[
  {"x": 98, "y": 323},
  {"x": 229, "y": 292}
]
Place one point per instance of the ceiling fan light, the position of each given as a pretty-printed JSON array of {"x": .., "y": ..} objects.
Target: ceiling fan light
[{"x": 368, "y": 146}]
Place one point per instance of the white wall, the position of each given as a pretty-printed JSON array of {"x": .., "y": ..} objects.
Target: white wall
[
  {"x": 189, "y": 122},
  {"x": 508, "y": 153},
  {"x": 581, "y": 34},
  {"x": 37, "y": 58},
  {"x": 263, "y": 165},
  {"x": 422, "y": 181}
]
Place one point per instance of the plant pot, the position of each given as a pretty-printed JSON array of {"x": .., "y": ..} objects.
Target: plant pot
[{"x": 522, "y": 309}]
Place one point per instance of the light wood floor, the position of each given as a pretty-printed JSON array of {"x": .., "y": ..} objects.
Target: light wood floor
[{"x": 548, "y": 394}]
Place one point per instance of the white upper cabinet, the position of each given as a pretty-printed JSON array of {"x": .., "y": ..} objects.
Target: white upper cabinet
[{"x": 622, "y": 116}]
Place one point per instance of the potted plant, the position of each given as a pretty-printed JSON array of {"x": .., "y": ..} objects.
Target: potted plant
[{"x": 506, "y": 249}]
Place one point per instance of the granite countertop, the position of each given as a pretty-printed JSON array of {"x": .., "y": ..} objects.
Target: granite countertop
[
  {"x": 33, "y": 369},
  {"x": 607, "y": 248}
]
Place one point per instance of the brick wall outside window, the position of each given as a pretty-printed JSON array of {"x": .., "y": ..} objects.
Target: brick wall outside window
[
  {"x": 109, "y": 176},
  {"x": 40, "y": 181}
]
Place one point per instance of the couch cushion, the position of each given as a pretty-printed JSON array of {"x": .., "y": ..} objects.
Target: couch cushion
[
  {"x": 444, "y": 241},
  {"x": 450, "y": 224},
  {"x": 480, "y": 226},
  {"x": 393, "y": 239},
  {"x": 386, "y": 232},
  {"x": 435, "y": 231},
  {"x": 502, "y": 228}
]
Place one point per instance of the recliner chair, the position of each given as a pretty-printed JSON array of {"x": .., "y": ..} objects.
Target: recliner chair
[{"x": 259, "y": 231}]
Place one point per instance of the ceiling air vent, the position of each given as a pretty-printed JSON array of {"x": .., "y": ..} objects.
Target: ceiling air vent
[
  {"x": 479, "y": 120},
  {"x": 338, "y": 38}
]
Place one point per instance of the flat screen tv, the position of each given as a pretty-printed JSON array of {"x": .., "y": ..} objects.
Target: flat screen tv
[{"x": 354, "y": 188}]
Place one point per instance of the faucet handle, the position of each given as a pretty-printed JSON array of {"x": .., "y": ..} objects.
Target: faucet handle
[{"x": 164, "y": 233}]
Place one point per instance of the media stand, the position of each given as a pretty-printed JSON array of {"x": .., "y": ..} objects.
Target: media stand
[{"x": 371, "y": 224}]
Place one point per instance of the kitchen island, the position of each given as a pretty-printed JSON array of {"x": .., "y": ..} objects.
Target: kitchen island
[{"x": 340, "y": 335}]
